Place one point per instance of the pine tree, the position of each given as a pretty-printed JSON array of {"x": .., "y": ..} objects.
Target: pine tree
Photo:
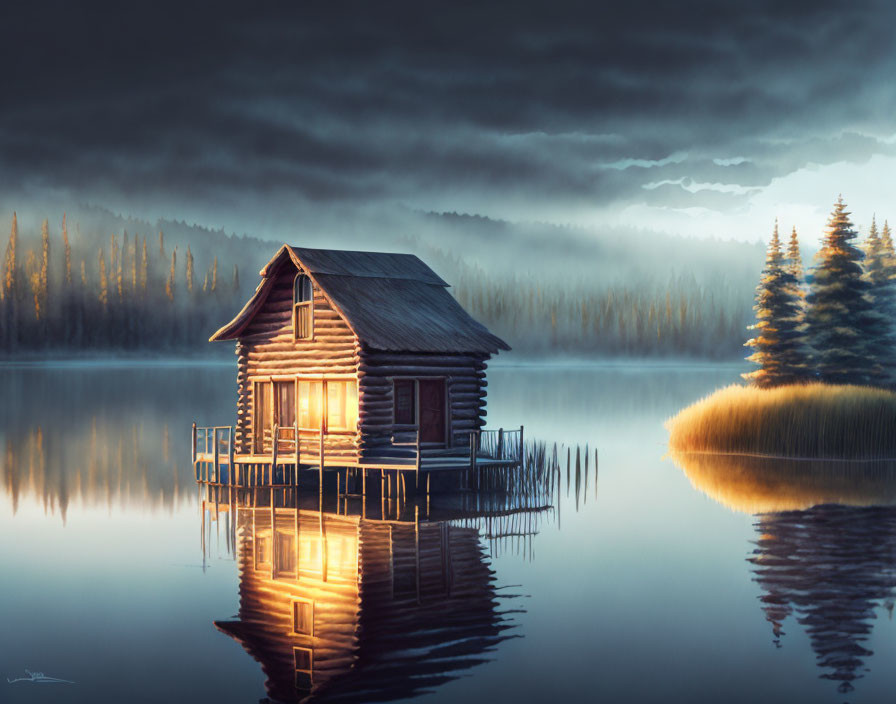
[
  {"x": 779, "y": 346},
  {"x": 844, "y": 330},
  {"x": 104, "y": 282},
  {"x": 68, "y": 254},
  {"x": 236, "y": 279},
  {"x": 879, "y": 266},
  {"x": 45, "y": 264},
  {"x": 169, "y": 284},
  {"x": 214, "y": 281},
  {"x": 134, "y": 265},
  {"x": 161, "y": 244},
  {"x": 144, "y": 267},
  {"x": 794, "y": 258},
  {"x": 9, "y": 274},
  {"x": 189, "y": 272},
  {"x": 33, "y": 272}
]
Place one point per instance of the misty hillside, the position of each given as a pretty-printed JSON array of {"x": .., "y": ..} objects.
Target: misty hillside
[{"x": 545, "y": 288}]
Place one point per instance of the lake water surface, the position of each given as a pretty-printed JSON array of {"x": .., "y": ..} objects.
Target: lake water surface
[{"x": 645, "y": 584}]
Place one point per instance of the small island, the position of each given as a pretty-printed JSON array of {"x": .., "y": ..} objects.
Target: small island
[{"x": 824, "y": 346}]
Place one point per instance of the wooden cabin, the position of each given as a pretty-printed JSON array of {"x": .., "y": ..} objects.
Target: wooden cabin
[{"x": 356, "y": 359}]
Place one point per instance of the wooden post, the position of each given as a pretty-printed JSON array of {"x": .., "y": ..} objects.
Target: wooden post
[
  {"x": 298, "y": 451},
  {"x": 274, "y": 448},
  {"x": 195, "y": 439},
  {"x": 500, "y": 452},
  {"x": 473, "y": 450},
  {"x": 231, "y": 453},
  {"x": 217, "y": 458},
  {"x": 522, "y": 449},
  {"x": 418, "y": 450}
]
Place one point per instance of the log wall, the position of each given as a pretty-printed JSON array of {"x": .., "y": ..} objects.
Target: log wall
[
  {"x": 267, "y": 349},
  {"x": 465, "y": 385}
]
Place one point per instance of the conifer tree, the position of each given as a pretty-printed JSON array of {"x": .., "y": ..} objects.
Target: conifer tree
[
  {"x": 32, "y": 272},
  {"x": 161, "y": 244},
  {"x": 169, "y": 284},
  {"x": 68, "y": 254},
  {"x": 236, "y": 279},
  {"x": 878, "y": 266},
  {"x": 9, "y": 278},
  {"x": 794, "y": 258},
  {"x": 104, "y": 282},
  {"x": 214, "y": 280},
  {"x": 134, "y": 257},
  {"x": 778, "y": 347},
  {"x": 45, "y": 263},
  {"x": 144, "y": 267},
  {"x": 189, "y": 272},
  {"x": 844, "y": 330}
]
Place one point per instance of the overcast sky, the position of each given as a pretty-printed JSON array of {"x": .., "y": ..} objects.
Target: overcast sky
[{"x": 699, "y": 118}]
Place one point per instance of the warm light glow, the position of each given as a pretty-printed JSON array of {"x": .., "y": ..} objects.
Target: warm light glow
[{"x": 342, "y": 404}]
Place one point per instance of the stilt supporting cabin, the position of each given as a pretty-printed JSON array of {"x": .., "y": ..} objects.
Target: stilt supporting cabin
[{"x": 355, "y": 360}]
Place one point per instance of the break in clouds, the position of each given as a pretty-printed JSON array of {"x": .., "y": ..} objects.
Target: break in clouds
[{"x": 659, "y": 116}]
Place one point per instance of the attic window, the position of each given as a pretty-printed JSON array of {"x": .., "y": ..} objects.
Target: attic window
[{"x": 302, "y": 308}]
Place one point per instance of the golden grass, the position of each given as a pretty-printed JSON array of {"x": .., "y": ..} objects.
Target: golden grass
[
  {"x": 769, "y": 484},
  {"x": 802, "y": 420}
]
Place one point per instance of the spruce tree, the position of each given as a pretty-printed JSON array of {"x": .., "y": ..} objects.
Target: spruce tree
[
  {"x": 844, "y": 330},
  {"x": 794, "y": 258},
  {"x": 778, "y": 348},
  {"x": 878, "y": 268}
]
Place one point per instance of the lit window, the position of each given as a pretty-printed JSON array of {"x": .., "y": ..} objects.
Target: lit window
[
  {"x": 310, "y": 404},
  {"x": 342, "y": 405},
  {"x": 302, "y": 308},
  {"x": 303, "y": 617}
]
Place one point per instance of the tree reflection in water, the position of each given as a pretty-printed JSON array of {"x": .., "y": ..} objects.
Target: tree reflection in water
[
  {"x": 826, "y": 552},
  {"x": 832, "y": 567}
]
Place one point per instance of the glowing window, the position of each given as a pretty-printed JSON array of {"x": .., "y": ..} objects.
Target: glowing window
[
  {"x": 342, "y": 405},
  {"x": 310, "y": 404}
]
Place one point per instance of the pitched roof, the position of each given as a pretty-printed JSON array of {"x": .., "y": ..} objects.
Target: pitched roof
[{"x": 392, "y": 302}]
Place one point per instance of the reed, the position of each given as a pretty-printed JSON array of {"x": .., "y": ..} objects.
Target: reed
[{"x": 801, "y": 420}]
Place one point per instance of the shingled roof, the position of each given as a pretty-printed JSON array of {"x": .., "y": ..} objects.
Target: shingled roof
[{"x": 392, "y": 302}]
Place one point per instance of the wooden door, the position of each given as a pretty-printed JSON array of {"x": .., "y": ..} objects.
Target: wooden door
[{"x": 432, "y": 410}]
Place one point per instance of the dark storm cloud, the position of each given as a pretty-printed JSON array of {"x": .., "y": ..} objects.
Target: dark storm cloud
[{"x": 365, "y": 102}]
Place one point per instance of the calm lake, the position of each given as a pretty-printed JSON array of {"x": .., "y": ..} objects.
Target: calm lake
[{"x": 639, "y": 582}]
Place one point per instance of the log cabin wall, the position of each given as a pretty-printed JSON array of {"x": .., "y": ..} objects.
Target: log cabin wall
[
  {"x": 465, "y": 388},
  {"x": 268, "y": 349}
]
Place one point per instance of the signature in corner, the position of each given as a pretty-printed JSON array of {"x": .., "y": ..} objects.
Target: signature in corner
[{"x": 38, "y": 677}]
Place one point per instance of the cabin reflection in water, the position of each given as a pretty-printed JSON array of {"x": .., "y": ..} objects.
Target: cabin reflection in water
[
  {"x": 349, "y": 608},
  {"x": 826, "y": 552}
]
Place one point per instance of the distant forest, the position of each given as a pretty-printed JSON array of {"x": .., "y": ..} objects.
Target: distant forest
[{"x": 106, "y": 284}]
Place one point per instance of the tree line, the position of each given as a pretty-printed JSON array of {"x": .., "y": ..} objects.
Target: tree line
[
  {"x": 835, "y": 323},
  {"x": 133, "y": 293},
  {"x": 643, "y": 318}
]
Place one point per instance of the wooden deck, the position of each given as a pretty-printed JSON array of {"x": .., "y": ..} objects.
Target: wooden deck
[{"x": 213, "y": 449}]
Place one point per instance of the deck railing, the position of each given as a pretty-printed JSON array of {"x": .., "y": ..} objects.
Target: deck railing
[{"x": 501, "y": 444}]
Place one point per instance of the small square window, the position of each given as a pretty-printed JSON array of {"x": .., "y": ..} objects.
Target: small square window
[
  {"x": 303, "y": 658},
  {"x": 303, "y": 617}
]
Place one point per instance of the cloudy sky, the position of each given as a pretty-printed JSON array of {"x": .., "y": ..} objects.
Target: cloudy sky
[{"x": 705, "y": 118}]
